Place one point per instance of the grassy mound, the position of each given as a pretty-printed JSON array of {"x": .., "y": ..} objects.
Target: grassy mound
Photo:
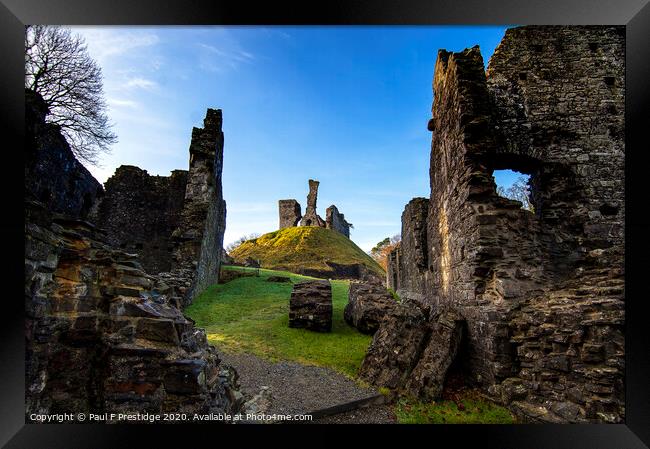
[
  {"x": 251, "y": 315},
  {"x": 307, "y": 250}
]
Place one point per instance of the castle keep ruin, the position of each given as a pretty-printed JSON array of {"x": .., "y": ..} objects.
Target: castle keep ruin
[
  {"x": 290, "y": 214},
  {"x": 541, "y": 294}
]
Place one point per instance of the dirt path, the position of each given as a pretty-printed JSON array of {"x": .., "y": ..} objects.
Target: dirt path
[{"x": 292, "y": 388}]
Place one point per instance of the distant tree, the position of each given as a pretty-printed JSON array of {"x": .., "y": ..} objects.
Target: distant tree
[
  {"x": 240, "y": 240},
  {"x": 519, "y": 191},
  {"x": 59, "y": 68},
  {"x": 381, "y": 250}
]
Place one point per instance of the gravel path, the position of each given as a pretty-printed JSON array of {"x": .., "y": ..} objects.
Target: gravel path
[{"x": 293, "y": 388}]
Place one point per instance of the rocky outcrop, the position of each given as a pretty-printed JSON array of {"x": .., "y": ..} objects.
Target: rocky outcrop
[
  {"x": 53, "y": 175},
  {"x": 101, "y": 338},
  {"x": 139, "y": 212},
  {"x": 310, "y": 306},
  {"x": 368, "y": 303},
  {"x": 551, "y": 106},
  {"x": 290, "y": 213},
  {"x": 411, "y": 352},
  {"x": 311, "y": 218}
]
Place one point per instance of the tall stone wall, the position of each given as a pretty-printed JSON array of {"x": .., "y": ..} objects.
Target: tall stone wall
[
  {"x": 290, "y": 213},
  {"x": 336, "y": 221},
  {"x": 198, "y": 239},
  {"x": 311, "y": 218},
  {"x": 550, "y": 106},
  {"x": 53, "y": 175},
  {"x": 139, "y": 212},
  {"x": 100, "y": 336}
]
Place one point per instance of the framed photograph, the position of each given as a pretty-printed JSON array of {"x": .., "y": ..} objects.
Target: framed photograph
[{"x": 418, "y": 216}]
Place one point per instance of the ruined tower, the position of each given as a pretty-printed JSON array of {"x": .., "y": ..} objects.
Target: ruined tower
[
  {"x": 290, "y": 213},
  {"x": 199, "y": 236},
  {"x": 541, "y": 293},
  {"x": 311, "y": 218},
  {"x": 336, "y": 221}
]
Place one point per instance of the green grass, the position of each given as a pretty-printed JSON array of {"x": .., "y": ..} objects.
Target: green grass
[
  {"x": 251, "y": 315},
  {"x": 304, "y": 247},
  {"x": 475, "y": 410}
]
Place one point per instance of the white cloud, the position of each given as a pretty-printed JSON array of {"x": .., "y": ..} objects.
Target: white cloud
[
  {"x": 119, "y": 103},
  {"x": 105, "y": 43},
  {"x": 141, "y": 83},
  {"x": 216, "y": 59}
]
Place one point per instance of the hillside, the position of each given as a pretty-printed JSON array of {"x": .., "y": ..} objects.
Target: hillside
[{"x": 311, "y": 251}]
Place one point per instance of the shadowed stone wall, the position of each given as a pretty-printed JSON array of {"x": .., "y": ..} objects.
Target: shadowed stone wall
[
  {"x": 541, "y": 292},
  {"x": 53, "y": 175},
  {"x": 336, "y": 221},
  {"x": 311, "y": 218},
  {"x": 199, "y": 236},
  {"x": 290, "y": 213},
  {"x": 139, "y": 212}
]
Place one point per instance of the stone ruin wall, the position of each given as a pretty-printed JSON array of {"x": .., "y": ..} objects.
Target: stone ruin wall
[
  {"x": 542, "y": 293},
  {"x": 103, "y": 335},
  {"x": 199, "y": 236},
  {"x": 336, "y": 221},
  {"x": 290, "y": 213},
  {"x": 52, "y": 173},
  {"x": 139, "y": 212},
  {"x": 311, "y": 218},
  {"x": 176, "y": 223}
]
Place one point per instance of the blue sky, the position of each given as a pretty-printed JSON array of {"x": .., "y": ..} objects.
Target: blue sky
[{"x": 347, "y": 106}]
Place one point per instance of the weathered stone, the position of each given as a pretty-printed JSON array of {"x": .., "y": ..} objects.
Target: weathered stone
[
  {"x": 139, "y": 212},
  {"x": 310, "y": 306},
  {"x": 53, "y": 176},
  {"x": 290, "y": 213},
  {"x": 429, "y": 374},
  {"x": 311, "y": 218},
  {"x": 396, "y": 347},
  {"x": 198, "y": 239},
  {"x": 541, "y": 292},
  {"x": 121, "y": 353},
  {"x": 336, "y": 221},
  {"x": 368, "y": 303}
]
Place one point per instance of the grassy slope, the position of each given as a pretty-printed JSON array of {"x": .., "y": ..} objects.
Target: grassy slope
[
  {"x": 304, "y": 247},
  {"x": 251, "y": 315}
]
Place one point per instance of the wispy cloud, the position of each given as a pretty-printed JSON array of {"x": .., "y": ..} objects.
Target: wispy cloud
[
  {"x": 109, "y": 42},
  {"x": 141, "y": 83},
  {"x": 216, "y": 59},
  {"x": 120, "y": 103}
]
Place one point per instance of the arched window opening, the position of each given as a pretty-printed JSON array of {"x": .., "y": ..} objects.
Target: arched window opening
[{"x": 514, "y": 185}]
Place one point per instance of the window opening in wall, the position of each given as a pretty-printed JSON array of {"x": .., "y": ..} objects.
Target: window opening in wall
[{"x": 514, "y": 185}]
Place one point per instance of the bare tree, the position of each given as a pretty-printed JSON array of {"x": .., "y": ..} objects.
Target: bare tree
[
  {"x": 59, "y": 68},
  {"x": 519, "y": 191},
  {"x": 241, "y": 240}
]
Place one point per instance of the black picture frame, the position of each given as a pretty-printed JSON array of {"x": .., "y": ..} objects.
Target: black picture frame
[{"x": 634, "y": 14}]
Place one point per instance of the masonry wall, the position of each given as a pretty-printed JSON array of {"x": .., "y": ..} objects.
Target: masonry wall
[
  {"x": 139, "y": 212},
  {"x": 198, "y": 239},
  {"x": 336, "y": 221},
  {"x": 551, "y": 106},
  {"x": 53, "y": 175}
]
